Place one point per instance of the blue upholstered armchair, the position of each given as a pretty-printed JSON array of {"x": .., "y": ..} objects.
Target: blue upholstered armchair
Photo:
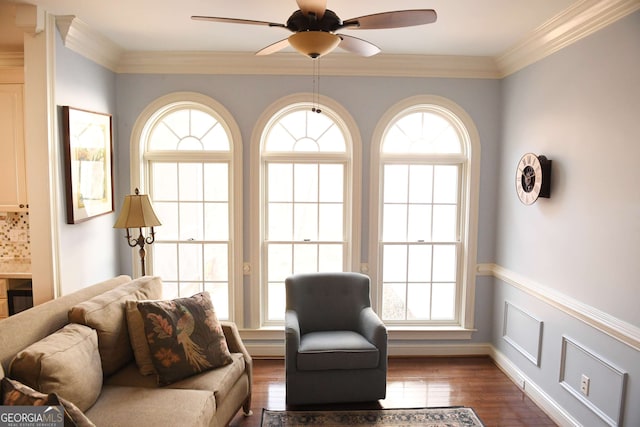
[{"x": 336, "y": 345}]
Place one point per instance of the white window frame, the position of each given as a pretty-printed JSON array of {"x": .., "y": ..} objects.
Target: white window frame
[
  {"x": 470, "y": 187},
  {"x": 352, "y": 162},
  {"x": 140, "y": 178}
]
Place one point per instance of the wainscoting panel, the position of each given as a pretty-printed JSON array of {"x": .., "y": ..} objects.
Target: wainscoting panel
[
  {"x": 607, "y": 384},
  {"x": 523, "y": 332}
]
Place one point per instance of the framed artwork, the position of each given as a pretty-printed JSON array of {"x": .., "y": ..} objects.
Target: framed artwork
[{"x": 88, "y": 163}]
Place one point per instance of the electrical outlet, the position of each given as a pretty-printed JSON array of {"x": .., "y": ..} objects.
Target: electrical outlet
[{"x": 584, "y": 384}]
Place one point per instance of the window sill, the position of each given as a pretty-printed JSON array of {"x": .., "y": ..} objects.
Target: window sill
[{"x": 396, "y": 333}]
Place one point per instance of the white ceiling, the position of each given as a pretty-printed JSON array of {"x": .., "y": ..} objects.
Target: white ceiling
[{"x": 464, "y": 27}]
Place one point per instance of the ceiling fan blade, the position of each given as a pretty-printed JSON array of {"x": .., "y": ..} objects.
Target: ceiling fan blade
[
  {"x": 395, "y": 19},
  {"x": 358, "y": 46},
  {"x": 316, "y": 6},
  {"x": 273, "y": 48},
  {"x": 236, "y": 21}
]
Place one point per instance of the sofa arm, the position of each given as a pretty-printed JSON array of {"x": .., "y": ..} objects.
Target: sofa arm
[
  {"x": 291, "y": 339},
  {"x": 235, "y": 344}
]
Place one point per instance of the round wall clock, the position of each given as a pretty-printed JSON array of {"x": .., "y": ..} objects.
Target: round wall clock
[{"x": 533, "y": 178}]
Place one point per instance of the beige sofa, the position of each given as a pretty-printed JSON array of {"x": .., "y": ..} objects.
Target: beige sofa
[{"x": 124, "y": 397}]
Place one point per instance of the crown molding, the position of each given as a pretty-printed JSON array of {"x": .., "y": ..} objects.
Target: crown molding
[
  {"x": 82, "y": 39},
  {"x": 11, "y": 60},
  {"x": 576, "y": 22},
  {"x": 296, "y": 64}
]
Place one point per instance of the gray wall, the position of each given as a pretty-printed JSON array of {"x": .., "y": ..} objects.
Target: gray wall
[
  {"x": 88, "y": 250},
  {"x": 581, "y": 108}
]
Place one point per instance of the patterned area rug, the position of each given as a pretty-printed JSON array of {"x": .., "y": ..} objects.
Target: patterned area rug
[{"x": 423, "y": 417}]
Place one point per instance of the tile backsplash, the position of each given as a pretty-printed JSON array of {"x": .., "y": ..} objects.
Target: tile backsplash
[{"x": 15, "y": 240}]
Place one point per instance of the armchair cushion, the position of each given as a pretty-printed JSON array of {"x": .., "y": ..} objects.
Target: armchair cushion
[{"x": 336, "y": 350}]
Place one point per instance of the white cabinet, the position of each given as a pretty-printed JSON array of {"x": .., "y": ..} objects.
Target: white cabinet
[{"x": 13, "y": 191}]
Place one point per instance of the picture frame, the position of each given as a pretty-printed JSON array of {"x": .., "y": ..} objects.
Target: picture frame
[{"x": 88, "y": 163}]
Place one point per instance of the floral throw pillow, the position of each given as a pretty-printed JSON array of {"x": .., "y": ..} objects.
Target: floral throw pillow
[{"x": 184, "y": 337}]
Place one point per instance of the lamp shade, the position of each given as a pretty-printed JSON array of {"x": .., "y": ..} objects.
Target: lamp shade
[
  {"x": 314, "y": 43},
  {"x": 137, "y": 212}
]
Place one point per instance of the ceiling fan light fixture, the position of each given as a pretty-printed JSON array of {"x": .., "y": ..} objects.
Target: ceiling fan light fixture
[{"x": 314, "y": 44}]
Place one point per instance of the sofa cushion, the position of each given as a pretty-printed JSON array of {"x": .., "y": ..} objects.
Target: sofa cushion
[
  {"x": 152, "y": 407},
  {"x": 336, "y": 350},
  {"x": 16, "y": 393},
  {"x": 219, "y": 381},
  {"x": 66, "y": 362},
  {"x": 105, "y": 314},
  {"x": 138, "y": 338},
  {"x": 184, "y": 336}
]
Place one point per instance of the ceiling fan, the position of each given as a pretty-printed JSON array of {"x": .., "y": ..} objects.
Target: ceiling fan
[{"x": 314, "y": 28}]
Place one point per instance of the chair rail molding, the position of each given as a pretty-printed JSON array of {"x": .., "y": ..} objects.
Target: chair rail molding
[{"x": 604, "y": 322}]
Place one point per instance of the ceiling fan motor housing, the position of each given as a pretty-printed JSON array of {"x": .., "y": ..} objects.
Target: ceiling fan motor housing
[{"x": 329, "y": 22}]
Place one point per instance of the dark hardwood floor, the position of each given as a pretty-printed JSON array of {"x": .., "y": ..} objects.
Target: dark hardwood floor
[{"x": 475, "y": 382}]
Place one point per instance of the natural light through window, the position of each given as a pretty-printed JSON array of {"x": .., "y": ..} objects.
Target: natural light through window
[
  {"x": 305, "y": 169},
  {"x": 421, "y": 165},
  {"x": 189, "y": 168}
]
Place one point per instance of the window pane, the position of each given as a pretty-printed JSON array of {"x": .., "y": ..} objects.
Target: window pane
[
  {"x": 443, "y": 301},
  {"x": 216, "y": 182},
  {"x": 165, "y": 261},
  {"x": 216, "y": 262},
  {"x": 396, "y": 180},
  {"x": 201, "y": 123},
  {"x": 394, "y": 301},
  {"x": 306, "y": 183},
  {"x": 394, "y": 227},
  {"x": 419, "y": 263},
  {"x": 330, "y": 257},
  {"x": 216, "y": 139},
  {"x": 305, "y": 222},
  {"x": 191, "y": 224},
  {"x": 420, "y": 183},
  {"x": 444, "y": 263},
  {"x": 330, "y": 222},
  {"x": 394, "y": 263},
  {"x": 276, "y": 301},
  {"x": 162, "y": 138},
  {"x": 165, "y": 181},
  {"x": 305, "y": 258},
  {"x": 178, "y": 123},
  {"x": 167, "y": 213},
  {"x": 445, "y": 184},
  {"x": 190, "y": 176},
  {"x": 216, "y": 221},
  {"x": 190, "y": 261},
  {"x": 444, "y": 223},
  {"x": 419, "y": 301},
  {"x": 419, "y": 223},
  {"x": 332, "y": 141},
  {"x": 280, "y": 262},
  {"x": 280, "y": 182},
  {"x": 188, "y": 289},
  {"x": 331, "y": 183},
  {"x": 169, "y": 290},
  {"x": 280, "y": 221}
]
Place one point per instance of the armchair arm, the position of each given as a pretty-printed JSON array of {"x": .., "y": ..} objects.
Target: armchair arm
[
  {"x": 291, "y": 339},
  {"x": 374, "y": 330}
]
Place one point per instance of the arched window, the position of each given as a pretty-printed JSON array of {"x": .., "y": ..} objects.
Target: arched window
[
  {"x": 191, "y": 157},
  {"x": 423, "y": 204},
  {"x": 306, "y": 198}
]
